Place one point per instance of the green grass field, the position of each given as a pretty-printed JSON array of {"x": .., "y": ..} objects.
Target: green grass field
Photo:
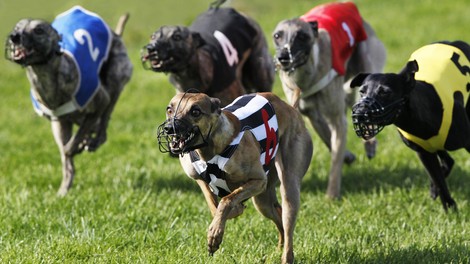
[{"x": 132, "y": 204}]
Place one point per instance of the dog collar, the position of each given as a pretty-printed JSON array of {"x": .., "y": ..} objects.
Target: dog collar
[
  {"x": 43, "y": 110},
  {"x": 324, "y": 81}
]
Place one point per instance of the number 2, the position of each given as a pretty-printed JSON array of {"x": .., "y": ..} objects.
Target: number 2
[{"x": 81, "y": 35}]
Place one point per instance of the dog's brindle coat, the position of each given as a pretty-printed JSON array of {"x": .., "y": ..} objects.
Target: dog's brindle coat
[
  {"x": 194, "y": 58},
  {"x": 428, "y": 109},
  {"x": 244, "y": 173},
  {"x": 303, "y": 57},
  {"x": 34, "y": 44}
]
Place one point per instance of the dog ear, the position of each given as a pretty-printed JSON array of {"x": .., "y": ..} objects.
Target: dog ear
[
  {"x": 409, "y": 72},
  {"x": 215, "y": 105},
  {"x": 197, "y": 39},
  {"x": 314, "y": 26},
  {"x": 358, "y": 80}
]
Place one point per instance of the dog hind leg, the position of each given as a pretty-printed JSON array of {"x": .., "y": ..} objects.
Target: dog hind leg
[
  {"x": 267, "y": 204},
  {"x": 291, "y": 168},
  {"x": 434, "y": 169}
]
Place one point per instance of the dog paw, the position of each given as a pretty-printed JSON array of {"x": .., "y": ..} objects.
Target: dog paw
[
  {"x": 349, "y": 158},
  {"x": 370, "y": 147},
  {"x": 433, "y": 191},
  {"x": 214, "y": 237},
  {"x": 449, "y": 204}
]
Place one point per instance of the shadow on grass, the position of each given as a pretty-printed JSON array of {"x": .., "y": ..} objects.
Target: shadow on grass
[
  {"x": 447, "y": 254},
  {"x": 362, "y": 179}
]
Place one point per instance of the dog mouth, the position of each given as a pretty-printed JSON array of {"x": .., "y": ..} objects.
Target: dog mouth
[
  {"x": 369, "y": 117},
  {"x": 154, "y": 60},
  {"x": 178, "y": 144},
  {"x": 287, "y": 61},
  {"x": 178, "y": 137},
  {"x": 17, "y": 53}
]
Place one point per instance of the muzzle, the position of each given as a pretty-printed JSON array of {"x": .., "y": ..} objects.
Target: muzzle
[
  {"x": 147, "y": 54},
  {"x": 369, "y": 117},
  {"x": 177, "y": 135}
]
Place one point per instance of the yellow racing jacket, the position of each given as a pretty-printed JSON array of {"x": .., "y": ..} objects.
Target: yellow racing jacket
[{"x": 446, "y": 69}]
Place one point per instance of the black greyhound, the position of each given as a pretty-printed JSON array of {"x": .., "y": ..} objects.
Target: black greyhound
[{"x": 428, "y": 104}]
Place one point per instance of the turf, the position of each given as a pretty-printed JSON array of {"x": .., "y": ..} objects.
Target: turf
[{"x": 132, "y": 204}]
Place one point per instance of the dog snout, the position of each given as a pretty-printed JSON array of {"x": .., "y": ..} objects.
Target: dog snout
[
  {"x": 284, "y": 56},
  {"x": 169, "y": 128},
  {"x": 15, "y": 37}
]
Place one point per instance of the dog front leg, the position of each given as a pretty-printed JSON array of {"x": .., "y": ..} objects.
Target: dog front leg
[
  {"x": 210, "y": 197},
  {"x": 224, "y": 210},
  {"x": 62, "y": 132},
  {"x": 212, "y": 201},
  {"x": 80, "y": 140},
  {"x": 434, "y": 169}
]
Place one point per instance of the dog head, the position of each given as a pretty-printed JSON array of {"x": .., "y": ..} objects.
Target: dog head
[
  {"x": 293, "y": 40},
  {"x": 32, "y": 42},
  {"x": 170, "y": 49},
  {"x": 190, "y": 119},
  {"x": 382, "y": 99}
]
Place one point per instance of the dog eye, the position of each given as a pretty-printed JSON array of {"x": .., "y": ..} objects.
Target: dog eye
[
  {"x": 39, "y": 31},
  {"x": 277, "y": 35},
  {"x": 169, "y": 111},
  {"x": 363, "y": 91},
  {"x": 302, "y": 37},
  {"x": 176, "y": 37},
  {"x": 196, "y": 112}
]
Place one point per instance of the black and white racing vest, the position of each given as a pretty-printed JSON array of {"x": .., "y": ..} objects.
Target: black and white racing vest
[{"x": 256, "y": 115}]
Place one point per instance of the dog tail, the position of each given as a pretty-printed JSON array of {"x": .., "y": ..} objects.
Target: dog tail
[{"x": 121, "y": 24}]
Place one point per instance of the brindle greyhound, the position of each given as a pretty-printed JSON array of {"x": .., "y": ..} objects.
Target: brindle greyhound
[
  {"x": 223, "y": 54},
  {"x": 60, "y": 89},
  {"x": 231, "y": 153}
]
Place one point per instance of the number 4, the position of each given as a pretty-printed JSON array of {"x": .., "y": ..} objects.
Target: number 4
[{"x": 231, "y": 54}]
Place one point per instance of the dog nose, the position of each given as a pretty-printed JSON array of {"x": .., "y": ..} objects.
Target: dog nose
[
  {"x": 169, "y": 128},
  {"x": 15, "y": 37},
  {"x": 284, "y": 56}
]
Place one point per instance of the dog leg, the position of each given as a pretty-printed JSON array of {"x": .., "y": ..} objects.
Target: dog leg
[
  {"x": 291, "y": 168},
  {"x": 216, "y": 228},
  {"x": 447, "y": 162},
  {"x": 267, "y": 204},
  {"x": 323, "y": 130},
  {"x": 62, "y": 132},
  {"x": 434, "y": 169},
  {"x": 78, "y": 142},
  {"x": 100, "y": 135}
]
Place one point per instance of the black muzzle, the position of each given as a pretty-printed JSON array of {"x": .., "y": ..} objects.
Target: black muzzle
[
  {"x": 147, "y": 54},
  {"x": 369, "y": 117},
  {"x": 177, "y": 136}
]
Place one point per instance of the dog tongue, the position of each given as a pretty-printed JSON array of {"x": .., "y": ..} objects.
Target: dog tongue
[{"x": 19, "y": 54}]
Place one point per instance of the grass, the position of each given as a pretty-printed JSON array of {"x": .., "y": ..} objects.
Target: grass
[{"x": 132, "y": 204}]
